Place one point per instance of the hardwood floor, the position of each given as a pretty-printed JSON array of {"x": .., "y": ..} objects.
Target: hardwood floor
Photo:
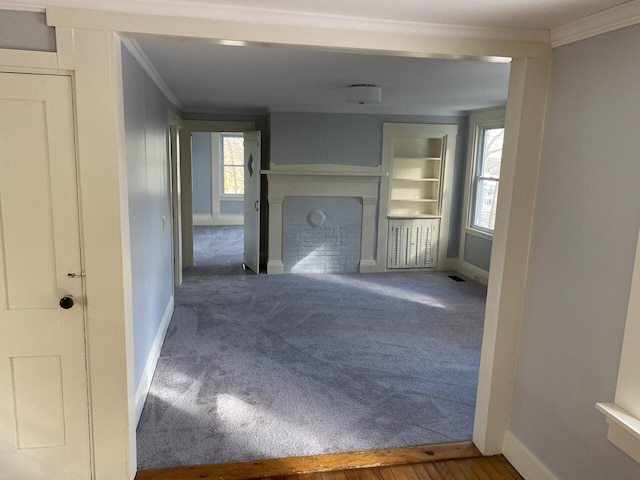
[{"x": 449, "y": 461}]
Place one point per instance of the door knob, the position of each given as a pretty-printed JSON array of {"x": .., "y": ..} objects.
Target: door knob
[
  {"x": 67, "y": 302},
  {"x": 256, "y": 205}
]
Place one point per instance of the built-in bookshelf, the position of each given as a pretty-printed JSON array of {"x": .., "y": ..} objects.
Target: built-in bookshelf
[{"x": 416, "y": 177}]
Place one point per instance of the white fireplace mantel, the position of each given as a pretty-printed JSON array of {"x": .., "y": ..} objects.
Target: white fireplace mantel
[{"x": 322, "y": 180}]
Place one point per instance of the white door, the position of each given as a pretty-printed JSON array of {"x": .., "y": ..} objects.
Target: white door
[
  {"x": 44, "y": 425},
  {"x": 252, "y": 200}
]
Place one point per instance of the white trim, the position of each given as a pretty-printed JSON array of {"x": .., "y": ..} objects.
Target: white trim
[
  {"x": 134, "y": 48},
  {"x": 204, "y": 219},
  {"x": 608, "y": 20},
  {"x": 390, "y": 130},
  {"x": 624, "y": 429},
  {"x": 152, "y": 360},
  {"x": 523, "y": 460},
  {"x": 21, "y": 7},
  {"x": 476, "y": 119},
  {"x": 261, "y": 111},
  {"x": 469, "y": 270},
  {"x": 270, "y": 16}
]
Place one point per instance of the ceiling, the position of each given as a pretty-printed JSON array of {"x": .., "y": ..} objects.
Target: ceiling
[{"x": 207, "y": 76}]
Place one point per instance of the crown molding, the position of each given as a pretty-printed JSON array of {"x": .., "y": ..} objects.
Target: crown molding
[
  {"x": 22, "y": 7},
  {"x": 195, "y": 109},
  {"x": 134, "y": 48},
  {"x": 608, "y": 20},
  {"x": 203, "y": 9}
]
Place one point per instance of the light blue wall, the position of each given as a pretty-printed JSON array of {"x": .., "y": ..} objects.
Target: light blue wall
[
  {"x": 145, "y": 111},
  {"x": 477, "y": 251},
  {"x": 201, "y": 164},
  {"x": 26, "y": 31},
  {"x": 356, "y": 139},
  {"x": 583, "y": 242}
]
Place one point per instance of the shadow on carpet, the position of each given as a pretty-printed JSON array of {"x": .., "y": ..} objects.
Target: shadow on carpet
[{"x": 274, "y": 366}]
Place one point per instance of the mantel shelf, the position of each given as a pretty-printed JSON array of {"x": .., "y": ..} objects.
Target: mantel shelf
[{"x": 320, "y": 173}]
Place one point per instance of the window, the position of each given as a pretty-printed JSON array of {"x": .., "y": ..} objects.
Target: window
[
  {"x": 623, "y": 414},
  {"x": 232, "y": 164},
  {"x": 486, "y": 178}
]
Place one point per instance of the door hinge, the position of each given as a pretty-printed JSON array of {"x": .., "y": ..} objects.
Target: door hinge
[{"x": 74, "y": 275}]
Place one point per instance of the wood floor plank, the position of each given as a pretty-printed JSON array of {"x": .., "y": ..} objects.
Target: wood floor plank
[
  {"x": 432, "y": 470},
  {"x": 475, "y": 469},
  {"x": 314, "y": 463},
  {"x": 458, "y": 473},
  {"x": 504, "y": 468},
  {"x": 369, "y": 473},
  {"x": 488, "y": 468},
  {"x": 404, "y": 472},
  {"x": 386, "y": 473},
  {"x": 310, "y": 476},
  {"x": 443, "y": 469}
]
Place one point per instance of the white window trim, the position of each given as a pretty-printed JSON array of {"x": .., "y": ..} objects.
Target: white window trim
[
  {"x": 227, "y": 197},
  {"x": 476, "y": 120},
  {"x": 481, "y": 121},
  {"x": 623, "y": 415}
]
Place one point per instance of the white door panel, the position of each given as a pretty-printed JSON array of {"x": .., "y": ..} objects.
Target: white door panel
[
  {"x": 252, "y": 167},
  {"x": 44, "y": 427}
]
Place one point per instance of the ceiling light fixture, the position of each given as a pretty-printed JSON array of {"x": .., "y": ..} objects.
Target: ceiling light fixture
[{"x": 364, "y": 94}]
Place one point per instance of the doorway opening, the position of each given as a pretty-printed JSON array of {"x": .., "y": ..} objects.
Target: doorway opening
[{"x": 375, "y": 361}]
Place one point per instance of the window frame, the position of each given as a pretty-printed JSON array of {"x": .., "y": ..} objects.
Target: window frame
[
  {"x": 623, "y": 414},
  {"x": 221, "y": 165},
  {"x": 476, "y": 175}
]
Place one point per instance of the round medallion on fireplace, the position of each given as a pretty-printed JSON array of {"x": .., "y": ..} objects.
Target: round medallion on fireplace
[{"x": 316, "y": 218}]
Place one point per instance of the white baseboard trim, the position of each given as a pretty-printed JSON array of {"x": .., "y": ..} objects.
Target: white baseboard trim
[
  {"x": 203, "y": 220},
  {"x": 368, "y": 266},
  {"x": 523, "y": 460},
  {"x": 152, "y": 360},
  {"x": 473, "y": 272},
  {"x": 450, "y": 264}
]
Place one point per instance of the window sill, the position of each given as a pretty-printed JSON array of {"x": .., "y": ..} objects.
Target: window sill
[
  {"x": 624, "y": 429},
  {"x": 479, "y": 233}
]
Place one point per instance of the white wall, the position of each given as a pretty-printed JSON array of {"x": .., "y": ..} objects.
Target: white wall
[
  {"x": 585, "y": 227},
  {"x": 145, "y": 109}
]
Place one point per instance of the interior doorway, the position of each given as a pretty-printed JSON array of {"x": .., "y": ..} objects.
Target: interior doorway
[
  {"x": 224, "y": 166},
  {"x": 310, "y": 140}
]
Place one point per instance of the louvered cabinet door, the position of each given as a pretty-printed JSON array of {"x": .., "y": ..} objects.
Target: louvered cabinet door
[
  {"x": 396, "y": 244},
  {"x": 413, "y": 243}
]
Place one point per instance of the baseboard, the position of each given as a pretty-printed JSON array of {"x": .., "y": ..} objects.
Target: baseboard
[
  {"x": 275, "y": 267},
  {"x": 152, "y": 360},
  {"x": 204, "y": 220},
  {"x": 448, "y": 265},
  {"x": 473, "y": 272},
  {"x": 368, "y": 266},
  {"x": 523, "y": 460}
]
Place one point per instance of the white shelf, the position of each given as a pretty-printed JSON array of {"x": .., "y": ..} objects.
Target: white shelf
[
  {"x": 415, "y": 200},
  {"x": 417, "y": 215},
  {"x": 434, "y": 159},
  {"x": 416, "y": 179}
]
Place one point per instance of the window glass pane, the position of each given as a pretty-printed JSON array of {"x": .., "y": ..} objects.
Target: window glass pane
[
  {"x": 233, "y": 150},
  {"x": 485, "y": 205},
  {"x": 491, "y": 154},
  {"x": 234, "y": 180}
]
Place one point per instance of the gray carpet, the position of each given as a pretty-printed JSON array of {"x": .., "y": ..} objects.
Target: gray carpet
[
  {"x": 283, "y": 365},
  {"x": 218, "y": 250}
]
